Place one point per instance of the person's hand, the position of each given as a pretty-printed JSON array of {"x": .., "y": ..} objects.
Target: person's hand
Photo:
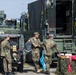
[
  {"x": 11, "y": 47},
  {"x": 2, "y": 57},
  {"x": 59, "y": 53},
  {"x": 36, "y": 45}
]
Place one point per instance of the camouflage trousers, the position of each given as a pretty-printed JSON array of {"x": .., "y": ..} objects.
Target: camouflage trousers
[
  {"x": 48, "y": 61},
  {"x": 7, "y": 63},
  {"x": 36, "y": 57}
]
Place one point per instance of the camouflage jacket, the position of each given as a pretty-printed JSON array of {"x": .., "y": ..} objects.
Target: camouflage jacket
[
  {"x": 36, "y": 43},
  {"x": 5, "y": 48},
  {"x": 48, "y": 45}
]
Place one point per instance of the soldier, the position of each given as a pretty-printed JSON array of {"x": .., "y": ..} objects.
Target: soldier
[
  {"x": 48, "y": 46},
  {"x": 5, "y": 52},
  {"x": 35, "y": 41}
]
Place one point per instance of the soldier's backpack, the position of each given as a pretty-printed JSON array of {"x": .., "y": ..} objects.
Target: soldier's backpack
[{"x": 28, "y": 46}]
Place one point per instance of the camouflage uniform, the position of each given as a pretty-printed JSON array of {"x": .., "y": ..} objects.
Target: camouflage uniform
[
  {"x": 5, "y": 52},
  {"x": 35, "y": 51},
  {"x": 48, "y": 44}
]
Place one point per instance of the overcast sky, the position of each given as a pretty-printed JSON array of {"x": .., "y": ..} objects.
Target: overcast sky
[{"x": 13, "y": 8}]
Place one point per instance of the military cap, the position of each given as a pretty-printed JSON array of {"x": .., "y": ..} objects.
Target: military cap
[
  {"x": 7, "y": 35},
  {"x": 51, "y": 35},
  {"x": 36, "y": 33}
]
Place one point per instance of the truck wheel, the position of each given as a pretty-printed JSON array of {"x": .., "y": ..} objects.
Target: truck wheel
[{"x": 20, "y": 67}]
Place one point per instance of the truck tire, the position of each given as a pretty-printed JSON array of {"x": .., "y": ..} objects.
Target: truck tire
[{"x": 20, "y": 67}]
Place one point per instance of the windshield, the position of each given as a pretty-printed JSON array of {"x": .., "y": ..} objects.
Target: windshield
[
  {"x": 1, "y": 21},
  {"x": 14, "y": 41},
  {"x": 10, "y": 23}
]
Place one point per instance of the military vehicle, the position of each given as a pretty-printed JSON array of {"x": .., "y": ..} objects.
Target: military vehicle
[
  {"x": 57, "y": 17},
  {"x": 9, "y": 26}
]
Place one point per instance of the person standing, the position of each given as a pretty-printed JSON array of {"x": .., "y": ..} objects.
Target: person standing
[
  {"x": 5, "y": 52},
  {"x": 35, "y": 41},
  {"x": 48, "y": 45}
]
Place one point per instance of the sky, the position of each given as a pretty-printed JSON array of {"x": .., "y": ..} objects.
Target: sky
[{"x": 14, "y": 8}]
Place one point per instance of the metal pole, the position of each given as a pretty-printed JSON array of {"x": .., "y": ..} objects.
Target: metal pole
[
  {"x": 72, "y": 20},
  {"x": 48, "y": 4}
]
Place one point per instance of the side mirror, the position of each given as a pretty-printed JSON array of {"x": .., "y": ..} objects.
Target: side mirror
[{"x": 15, "y": 23}]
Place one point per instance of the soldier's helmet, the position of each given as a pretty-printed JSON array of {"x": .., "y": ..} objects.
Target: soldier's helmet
[{"x": 36, "y": 33}]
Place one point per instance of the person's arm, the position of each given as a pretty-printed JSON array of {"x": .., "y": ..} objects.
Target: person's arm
[
  {"x": 56, "y": 47},
  {"x": 8, "y": 45},
  {"x": 40, "y": 43},
  {"x": 43, "y": 45},
  {"x": 33, "y": 43}
]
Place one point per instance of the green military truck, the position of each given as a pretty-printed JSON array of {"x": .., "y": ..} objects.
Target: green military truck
[
  {"x": 57, "y": 17},
  {"x": 9, "y": 26}
]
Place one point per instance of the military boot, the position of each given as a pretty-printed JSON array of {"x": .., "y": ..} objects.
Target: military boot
[
  {"x": 10, "y": 73},
  {"x": 38, "y": 71},
  {"x": 48, "y": 72},
  {"x": 6, "y": 73}
]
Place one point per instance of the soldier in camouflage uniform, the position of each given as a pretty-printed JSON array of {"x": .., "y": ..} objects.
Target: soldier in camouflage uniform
[
  {"x": 5, "y": 53},
  {"x": 35, "y": 41},
  {"x": 48, "y": 46}
]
